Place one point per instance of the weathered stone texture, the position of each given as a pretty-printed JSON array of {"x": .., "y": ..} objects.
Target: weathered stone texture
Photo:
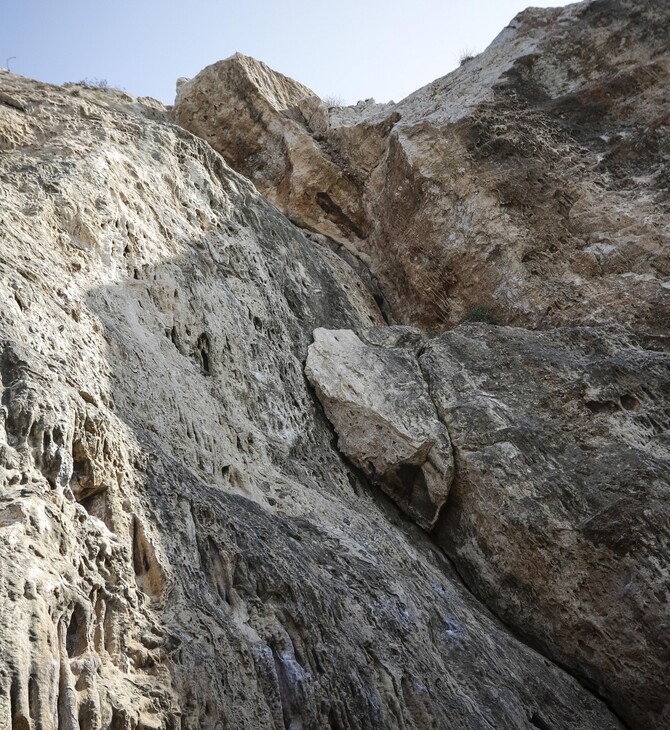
[
  {"x": 386, "y": 423},
  {"x": 529, "y": 186},
  {"x": 260, "y": 124},
  {"x": 232, "y": 497},
  {"x": 183, "y": 546},
  {"x": 559, "y": 517},
  {"x": 559, "y": 514}
]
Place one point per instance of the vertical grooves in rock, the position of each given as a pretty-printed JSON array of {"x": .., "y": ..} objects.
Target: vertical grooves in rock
[{"x": 187, "y": 539}]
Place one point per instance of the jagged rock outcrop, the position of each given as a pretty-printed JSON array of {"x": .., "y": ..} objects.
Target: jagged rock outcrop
[
  {"x": 559, "y": 513},
  {"x": 261, "y": 127},
  {"x": 183, "y": 546},
  {"x": 386, "y": 422},
  {"x": 528, "y": 187}
]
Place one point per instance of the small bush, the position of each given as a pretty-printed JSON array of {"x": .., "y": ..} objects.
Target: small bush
[
  {"x": 480, "y": 313},
  {"x": 334, "y": 101},
  {"x": 97, "y": 83},
  {"x": 465, "y": 56}
]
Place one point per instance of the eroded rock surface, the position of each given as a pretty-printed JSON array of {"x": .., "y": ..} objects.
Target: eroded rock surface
[
  {"x": 378, "y": 402},
  {"x": 528, "y": 187},
  {"x": 560, "y": 513},
  {"x": 183, "y": 547}
]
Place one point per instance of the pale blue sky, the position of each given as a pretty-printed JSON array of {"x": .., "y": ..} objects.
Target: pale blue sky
[{"x": 353, "y": 49}]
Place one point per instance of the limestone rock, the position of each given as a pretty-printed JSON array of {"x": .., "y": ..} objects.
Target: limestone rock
[
  {"x": 182, "y": 545},
  {"x": 258, "y": 117},
  {"x": 386, "y": 423},
  {"x": 560, "y": 511},
  {"x": 529, "y": 186},
  {"x": 181, "y": 82}
]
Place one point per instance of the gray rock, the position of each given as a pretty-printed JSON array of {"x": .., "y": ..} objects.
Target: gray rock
[
  {"x": 182, "y": 545},
  {"x": 559, "y": 514}
]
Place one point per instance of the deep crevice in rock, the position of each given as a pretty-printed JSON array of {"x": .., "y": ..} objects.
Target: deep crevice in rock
[
  {"x": 337, "y": 216},
  {"x": 355, "y": 260}
]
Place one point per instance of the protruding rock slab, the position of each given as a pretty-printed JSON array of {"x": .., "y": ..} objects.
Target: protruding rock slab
[
  {"x": 260, "y": 121},
  {"x": 559, "y": 516},
  {"x": 379, "y": 404},
  {"x": 529, "y": 186}
]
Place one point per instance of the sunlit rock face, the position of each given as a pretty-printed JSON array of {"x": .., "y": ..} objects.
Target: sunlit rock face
[
  {"x": 258, "y": 117},
  {"x": 386, "y": 422},
  {"x": 255, "y": 473},
  {"x": 528, "y": 187},
  {"x": 183, "y": 545}
]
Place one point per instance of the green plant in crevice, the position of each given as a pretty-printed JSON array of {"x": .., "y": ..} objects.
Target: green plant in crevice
[
  {"x": 480, "y": 313},
  {"x": 465, "y": 55}
]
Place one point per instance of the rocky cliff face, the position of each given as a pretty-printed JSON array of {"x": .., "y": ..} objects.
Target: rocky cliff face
[
  {"x": 232, "y": 496},
  {"x": 529, "y": 187}
]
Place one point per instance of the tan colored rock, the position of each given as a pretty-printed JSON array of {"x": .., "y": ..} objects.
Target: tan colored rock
[
  {"x": 529, "y": 186},
  {"x": 512, "y": 191},
  {"x": 386, "y": 423},
  {"x": 182, "y": 546},
  {"x": 259, "y": 117}
]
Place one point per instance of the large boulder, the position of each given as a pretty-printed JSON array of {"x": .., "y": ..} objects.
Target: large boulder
[
  {"x": 558, "y": 517},
  {"x": 378, "y": 402},
  {"x": 528, "y": 187}
]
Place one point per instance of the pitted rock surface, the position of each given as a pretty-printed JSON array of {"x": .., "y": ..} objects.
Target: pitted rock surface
[
  {"x": 483, "y": 542},
  {"x": 182, "y": 545}
]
